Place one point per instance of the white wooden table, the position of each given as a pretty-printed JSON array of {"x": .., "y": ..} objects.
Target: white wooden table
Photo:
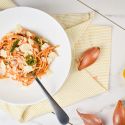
[{"x": 102, "y": 104}]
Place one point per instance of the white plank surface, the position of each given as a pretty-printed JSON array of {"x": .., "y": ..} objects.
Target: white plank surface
[{"x": 110, "y": 7}]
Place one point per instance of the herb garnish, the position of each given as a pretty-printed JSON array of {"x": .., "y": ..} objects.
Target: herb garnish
[
  {"x": 14, "y": 46},
  {"x": 37, "y": 40},
  {"x": 30, "y": 60}
]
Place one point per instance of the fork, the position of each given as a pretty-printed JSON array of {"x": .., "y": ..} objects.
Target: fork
[{"x": 60, "y": 113}]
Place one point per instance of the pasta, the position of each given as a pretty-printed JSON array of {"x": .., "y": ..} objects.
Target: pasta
[{"x": 23, "y": 53}]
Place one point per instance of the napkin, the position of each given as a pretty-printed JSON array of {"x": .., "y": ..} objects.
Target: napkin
[
  {"x": 80, "y": 84},
  {"x": 6, "y": 4}
]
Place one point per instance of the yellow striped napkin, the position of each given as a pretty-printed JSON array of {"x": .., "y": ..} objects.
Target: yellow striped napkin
[
  {"x": 80, "y": 84},
  {"x": 6, "y": 4}
]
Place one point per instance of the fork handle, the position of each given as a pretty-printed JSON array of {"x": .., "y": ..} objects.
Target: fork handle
[{"x": 60, "y": 113}]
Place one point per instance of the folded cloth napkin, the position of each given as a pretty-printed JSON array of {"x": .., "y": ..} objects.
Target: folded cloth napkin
[
  {"x": 6, "y": 4},
  {"x": 80, "y": 84}
]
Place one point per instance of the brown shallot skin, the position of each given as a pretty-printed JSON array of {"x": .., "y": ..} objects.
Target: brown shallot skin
[
  {"x": 90, "y": 119},
  {"x": 88, "y": 57},
  {"x": 119, "y": 114}
]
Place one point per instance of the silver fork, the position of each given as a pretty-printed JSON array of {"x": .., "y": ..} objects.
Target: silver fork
[{"x": 60, "y": 113}]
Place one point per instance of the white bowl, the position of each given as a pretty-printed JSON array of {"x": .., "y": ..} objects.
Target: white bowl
[{"x": 43, "y": 24}]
